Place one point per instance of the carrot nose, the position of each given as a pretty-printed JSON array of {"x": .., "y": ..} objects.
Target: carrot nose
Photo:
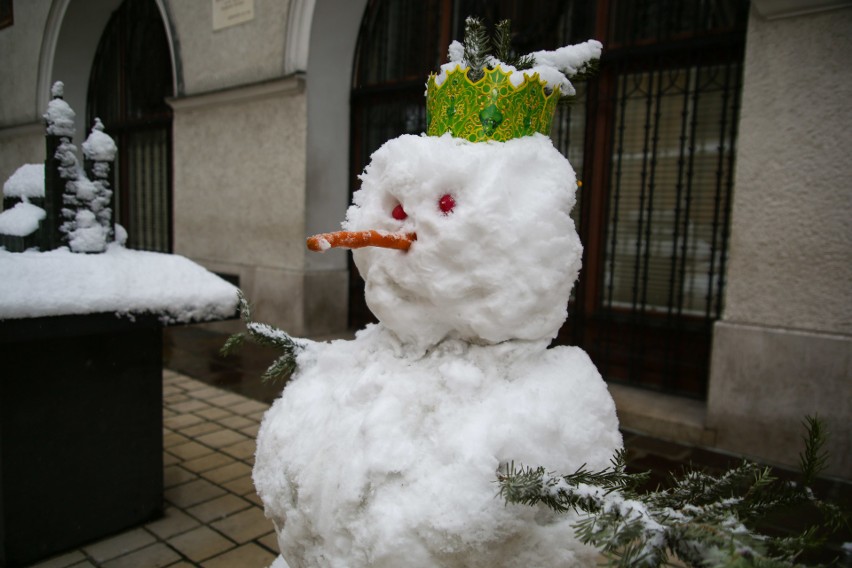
[{"x": 358, "y": 239}]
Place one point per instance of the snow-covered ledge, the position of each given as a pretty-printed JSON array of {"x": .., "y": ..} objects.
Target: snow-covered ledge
[
  {"x": 82, "y": 358},
  {"x": 121, "y": 281}
]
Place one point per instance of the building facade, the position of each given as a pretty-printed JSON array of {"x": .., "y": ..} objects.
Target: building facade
[{"x": 245, "y": 124}]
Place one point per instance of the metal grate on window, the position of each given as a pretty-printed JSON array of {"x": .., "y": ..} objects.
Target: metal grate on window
[{"x": 671, "y": 184}]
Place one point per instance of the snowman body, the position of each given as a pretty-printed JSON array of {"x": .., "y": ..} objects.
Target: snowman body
[{"x": 384, "y": 451}]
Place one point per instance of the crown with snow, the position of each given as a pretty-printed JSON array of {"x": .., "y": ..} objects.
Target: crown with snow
[{"x": 480, "y": 97}]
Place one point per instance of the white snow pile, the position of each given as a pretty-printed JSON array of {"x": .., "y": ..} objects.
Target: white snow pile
[
  {"x": 99, "y": 146},
  {"x": 21, "y": 220},
  {"x": 26, "y": 183},
  {"x": 377, "y": 456},
  {"x": 554, "y": 68},
  {"x": 88, "y": 235},
  {"x": 383, "y": 451},
  {"x": 126, "y": 282},
  {"x": 500, "y": 266},
  {"x": 60, "y": 118},
  {"x": 88, "y": 217}
]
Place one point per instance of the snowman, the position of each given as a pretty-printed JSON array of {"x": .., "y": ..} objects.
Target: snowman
[{"x": 383, "y": 451}]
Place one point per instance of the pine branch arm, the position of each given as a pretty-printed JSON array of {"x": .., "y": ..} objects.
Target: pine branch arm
[{"x": 270, "y": 336}]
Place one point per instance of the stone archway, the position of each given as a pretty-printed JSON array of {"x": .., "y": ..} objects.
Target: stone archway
[
  {"x": 70, "y": 40},
  {"x": 334, "y": 34}
]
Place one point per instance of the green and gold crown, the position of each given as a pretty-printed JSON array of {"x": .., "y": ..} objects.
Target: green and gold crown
[
  {"x": 479, "y": 97},
  {"x": 491, "y": 108}
]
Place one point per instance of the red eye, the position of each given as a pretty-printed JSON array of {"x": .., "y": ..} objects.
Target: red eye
[
  {"x": 399, "y": 213},
  {"x": 446, "y": 204}
]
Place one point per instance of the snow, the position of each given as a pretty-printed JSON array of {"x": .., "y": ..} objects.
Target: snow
[
  {"x": 513, "y": 201},
  {"x": 378, "y": 455},
  {"x": 126, "y": 282},
  {"x": 82, "y": 188},
  {"x": 569, "y": 59},
  {"x": 456, "y": 52},
  {"x": 553, "y": 68},
  {"x": 123, "y": 281},
  {"x": 99, "y": 146},
  {"x": 88, "y": 235},
  {"x": 21, "y": 220},
  {"x": 60, "y": 118},
  {"x": 87, "y": 213},
  {"x": 383, "y": 451},
  {"x": 66, "y": 155},
  {"x": 26, "y": 182}
]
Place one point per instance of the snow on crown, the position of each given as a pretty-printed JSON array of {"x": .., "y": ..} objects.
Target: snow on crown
[
  {"x": 480, "y": 97},
  {"x": 489, "y": 109}
]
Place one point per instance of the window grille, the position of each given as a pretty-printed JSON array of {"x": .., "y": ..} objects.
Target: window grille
[{"x": 669, "y": 194}]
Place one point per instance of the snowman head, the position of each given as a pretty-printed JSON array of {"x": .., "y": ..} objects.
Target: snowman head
[
  {"x": 494, "y": 253},
  {"x": 471, "y": 223}
]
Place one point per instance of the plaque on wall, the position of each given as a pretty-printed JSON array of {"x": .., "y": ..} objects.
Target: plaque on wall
[{"x": 227, "y": 13}]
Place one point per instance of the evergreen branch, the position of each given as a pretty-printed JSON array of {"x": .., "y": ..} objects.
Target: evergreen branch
[
  {"x": 476, "y": 44},
  {"x": 793, "y": 546},
  {"x": 589, "y": 70},
  {"x": 502, "y": 40},
  {"x": 531, "y": 486},
  {"x": 522, "y": 62},
  {"x": 703, "y": 520},
  {"x": 281, "y": 368},
  {"x": 503, "y": 46},
  {"x": 269, "y": 336},
  {"x": 814, "y": 458},
  {"x": 475, "y": 47},
  {"x": 265, "y": 334},
  {"x": 232, "y": 344}
]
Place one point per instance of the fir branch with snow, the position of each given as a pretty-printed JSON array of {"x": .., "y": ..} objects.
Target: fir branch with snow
[
  {"x": 476, "y": 46},
  {"x": 554, "y": 68},
  {"x": 270, "y": 336},
  {"x": 703, "y": 520},
  {"x": 503, "y": 47}
]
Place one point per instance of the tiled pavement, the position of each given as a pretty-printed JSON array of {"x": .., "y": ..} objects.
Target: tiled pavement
[{"x": 213, "y": 517}]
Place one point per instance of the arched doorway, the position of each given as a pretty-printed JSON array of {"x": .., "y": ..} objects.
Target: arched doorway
[
  {"x": 652, "y": 136},
  {"x": 130, "y": 79}
]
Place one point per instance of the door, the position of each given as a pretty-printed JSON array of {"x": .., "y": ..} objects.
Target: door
[{"x": 130, "y": 80}]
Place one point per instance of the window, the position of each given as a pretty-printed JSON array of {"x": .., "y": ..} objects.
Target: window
[
  {"x": 672, "y": 167},
  {"x": 656, "y": 204}
]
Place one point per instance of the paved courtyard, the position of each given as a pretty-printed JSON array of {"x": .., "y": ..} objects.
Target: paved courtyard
[{"x": 213, "y": 517}]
